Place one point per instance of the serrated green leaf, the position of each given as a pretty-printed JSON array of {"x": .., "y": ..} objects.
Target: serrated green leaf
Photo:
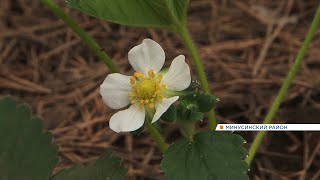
[
  {"x": 26, "y": 152},
  {"x": 211, "y": 156},
  {"x": 168, "y": 14},
  {"x": 107, "y": 167}
]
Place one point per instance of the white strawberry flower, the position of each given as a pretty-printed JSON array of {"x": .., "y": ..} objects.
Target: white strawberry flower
[{"x": 148, "y": 90}]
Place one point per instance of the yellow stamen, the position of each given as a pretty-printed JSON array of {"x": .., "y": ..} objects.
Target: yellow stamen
[
  {"x": 160, "y": 98},
  {"x": 140, "y": 106},
  {"x": 138, "y": 75},
  {"x": 133, "y": 101},
  {"x": 141, "y": 101},
  {"x": 130, "y": 94},
  {"x": 160, "y": 77},
  {"x": 151, "y": 105},
  {"x": 132, "y": 80},
  {"x": 151, "y": 73},
  {"x": 135, "y": 89}
]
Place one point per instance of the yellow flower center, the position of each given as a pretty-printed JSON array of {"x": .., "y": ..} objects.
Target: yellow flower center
[{"x": 146, "y": 90}]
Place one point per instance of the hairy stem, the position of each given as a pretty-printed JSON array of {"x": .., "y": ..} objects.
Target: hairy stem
[
  {"x": 82, "y": 34},
  {"x": 185, "y": 36},
  {"x": 155, "y": 133},
  {"x": 285, "y": 86}
]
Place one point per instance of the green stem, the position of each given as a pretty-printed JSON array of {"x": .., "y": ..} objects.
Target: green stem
[
  {"x": 82, "y": 34},
  {"x": 196, "y": 58},
  {"x": 284, "y": 88},
  {"x": 188, "y": 130},
  {"x": 212, "y": 120},
  {"x": 155, "y": 134},
  {"x": 185, "y": 36}
]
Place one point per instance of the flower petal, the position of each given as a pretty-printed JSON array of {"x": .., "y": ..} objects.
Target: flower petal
[
  {"x": 178, "y": 77},
  {"x": 127, "y": 120},
  {"x": 163, "y": 107},
  {"x": 114, "y": 90},
  {"x": 146, "y": 56}
]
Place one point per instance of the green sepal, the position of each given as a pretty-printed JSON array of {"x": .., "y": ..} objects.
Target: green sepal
[
  {"x": 195, "y": 116},
  {"x": 192, "y": 104},
  {"x": 170, "y": 115},
  {"x": 193, "y": 85},
  {"x": 188, "y": 112},
  {"x": 206, "y": 102}
]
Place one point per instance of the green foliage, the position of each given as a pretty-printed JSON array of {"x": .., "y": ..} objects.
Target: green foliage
[
  {"x": 188, "y": 112},
  {"x": 108, "y": 167},
  {"x": 206, "y": 102},
  {"x": 170, "y": 115},
  {"x": 210, "y": 156},
  {"x": 26, "y": 152},
  {"x": 170, "y": 14},
  {"x": 179, "y": 9},
  {"x": 191, "y": 106}
]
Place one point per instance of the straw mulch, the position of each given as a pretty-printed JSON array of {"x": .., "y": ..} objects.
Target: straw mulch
[{"x": 247, "y": 48}]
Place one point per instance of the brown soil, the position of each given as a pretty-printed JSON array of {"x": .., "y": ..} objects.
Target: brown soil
[{"x": 247, "y": 48}]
